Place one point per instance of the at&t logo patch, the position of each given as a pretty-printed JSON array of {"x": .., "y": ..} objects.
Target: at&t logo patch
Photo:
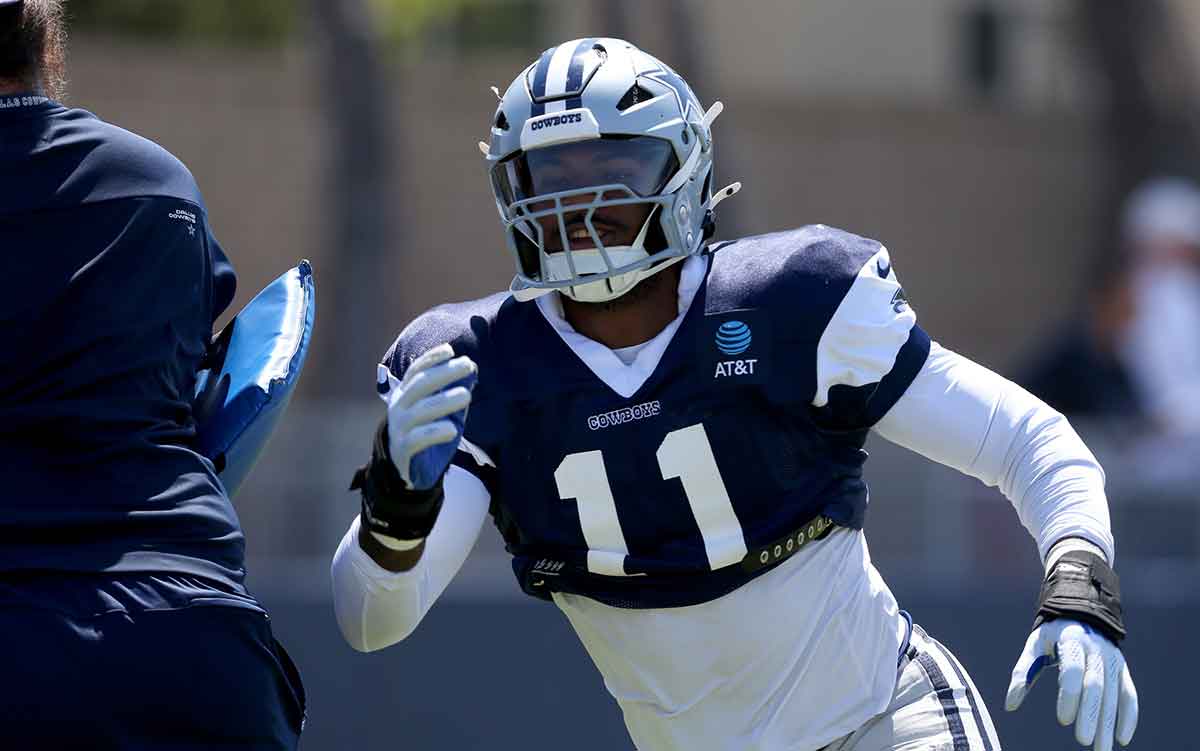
[{"x": 734, "y": 338}]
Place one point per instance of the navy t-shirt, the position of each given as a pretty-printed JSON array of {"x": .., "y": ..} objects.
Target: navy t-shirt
[{"x": 112, "y": 280}]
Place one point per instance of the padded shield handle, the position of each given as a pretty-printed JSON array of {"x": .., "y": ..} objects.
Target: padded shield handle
[{"x": 249, "y": 373}]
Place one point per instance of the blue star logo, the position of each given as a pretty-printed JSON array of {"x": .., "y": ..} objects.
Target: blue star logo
[{"x": 683, "y": 93}]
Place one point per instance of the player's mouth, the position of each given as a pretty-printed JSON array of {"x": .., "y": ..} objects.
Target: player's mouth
[{"x": 581, "y": 239}]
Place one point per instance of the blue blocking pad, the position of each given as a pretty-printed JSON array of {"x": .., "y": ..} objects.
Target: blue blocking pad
[{"x": 249, "y": 373}]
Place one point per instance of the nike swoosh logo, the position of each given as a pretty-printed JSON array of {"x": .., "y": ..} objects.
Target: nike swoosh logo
[{"x": 883, "y": 268}]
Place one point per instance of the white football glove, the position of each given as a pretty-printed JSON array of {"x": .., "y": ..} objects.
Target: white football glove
[
  {"x": 1095, "y": 690},
  {"x": 426, "y": 412}
]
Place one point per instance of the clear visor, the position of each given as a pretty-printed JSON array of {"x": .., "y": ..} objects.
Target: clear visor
[{"x": 643, "y": 164}]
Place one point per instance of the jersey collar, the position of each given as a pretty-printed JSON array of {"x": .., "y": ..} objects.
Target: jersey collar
[{"x": 602, "y": 361}]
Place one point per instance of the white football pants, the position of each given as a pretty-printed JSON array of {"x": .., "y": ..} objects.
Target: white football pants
[{"x": 935, "y": 707}]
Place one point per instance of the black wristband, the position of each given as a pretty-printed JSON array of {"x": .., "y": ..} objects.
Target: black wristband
[
  {"x": 388, "y": 506},
  {"x": 1083, "y": 587}
]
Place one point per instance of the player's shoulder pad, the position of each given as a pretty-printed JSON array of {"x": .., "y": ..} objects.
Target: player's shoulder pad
[
  {"x": 812, "y": 266},
  {"x": 469, "y": 328},
  {"x": 114, "y": 163}
]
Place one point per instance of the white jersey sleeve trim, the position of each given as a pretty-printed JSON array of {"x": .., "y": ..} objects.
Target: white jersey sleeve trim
[
  {"x": 960, "y": 414},
  {"x": 872, "y": 322},
  {"x": 375, "y": 607}
]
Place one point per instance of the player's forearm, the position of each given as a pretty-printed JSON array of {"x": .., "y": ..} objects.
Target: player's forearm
[
  {"x": 960, "y": 414},
  {"x": 376, "y": 606},
  {"x": 1055, "y": 483}
]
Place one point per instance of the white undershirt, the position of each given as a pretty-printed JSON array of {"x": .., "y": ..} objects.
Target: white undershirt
[
  {"x": 627, "y": 355},
  {"x": 768, "y": 665},
  {"x": 626, "y": 377}
]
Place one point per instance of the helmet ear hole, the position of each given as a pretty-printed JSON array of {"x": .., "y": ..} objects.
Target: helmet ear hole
[
  {"x": 501, "y": 120},
  {"x": 631, "y": 97}
]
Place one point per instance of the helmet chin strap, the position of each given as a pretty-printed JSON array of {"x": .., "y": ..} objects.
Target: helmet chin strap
[
  {"x": 727, "y": 192},
  {"x": 615, "y": 286}
]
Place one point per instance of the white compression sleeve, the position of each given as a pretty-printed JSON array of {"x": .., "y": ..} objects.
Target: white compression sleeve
[
  {"x": 960, "y": 414},
  {"x": 376, "y": 607}
]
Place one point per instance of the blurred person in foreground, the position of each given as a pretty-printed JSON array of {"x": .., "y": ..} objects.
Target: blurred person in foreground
[
  {"x": 668, "y": 433},
  {"x": 121, "y": 565}
]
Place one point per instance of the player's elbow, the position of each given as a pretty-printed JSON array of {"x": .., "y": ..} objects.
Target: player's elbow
[
  {"x": 362, "y": 639},
  {"x": 351, "y": 627},
  {"x": 368, "y": 629},
  {"x": 357, "y": 642}
]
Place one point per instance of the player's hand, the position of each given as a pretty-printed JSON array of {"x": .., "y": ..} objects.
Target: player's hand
[
  {"x": 426, "y": 413},
  {"x": 1095, "y": 690}
]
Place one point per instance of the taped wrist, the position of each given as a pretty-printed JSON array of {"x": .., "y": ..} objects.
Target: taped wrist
[
  {"x": 1083, "y": 587},
  {"x": 389, "y": 507}
]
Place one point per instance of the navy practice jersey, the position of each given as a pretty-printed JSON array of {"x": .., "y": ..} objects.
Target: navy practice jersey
[
  {"x": 112, "y": 283},
  {"x": 743, "y": 435}
]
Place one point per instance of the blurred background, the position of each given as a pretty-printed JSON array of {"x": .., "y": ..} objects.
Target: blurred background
[{"x": 1027, "y": 162}]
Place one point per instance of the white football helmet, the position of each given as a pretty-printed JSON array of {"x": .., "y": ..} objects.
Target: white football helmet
[{"x": 598, "y": 123}]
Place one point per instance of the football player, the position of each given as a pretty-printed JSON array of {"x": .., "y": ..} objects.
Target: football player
[{"x": 669, "y": 433}]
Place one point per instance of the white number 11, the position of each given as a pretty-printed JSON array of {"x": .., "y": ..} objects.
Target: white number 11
[{"x": 685, "y": 453}]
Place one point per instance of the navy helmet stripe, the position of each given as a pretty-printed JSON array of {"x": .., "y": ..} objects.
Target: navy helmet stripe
[
  {"x": 539, "y": 83},
  {"x": 575, "y": 73}
]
